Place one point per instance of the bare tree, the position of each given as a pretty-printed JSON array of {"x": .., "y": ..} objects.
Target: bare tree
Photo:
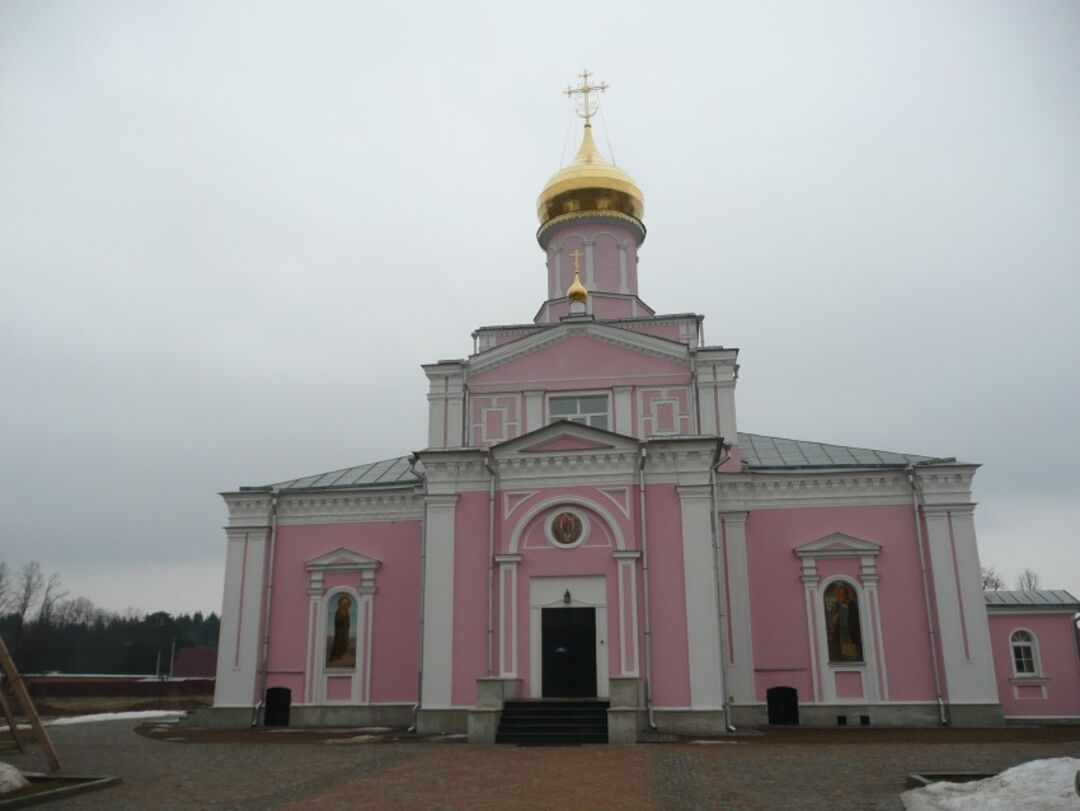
[
  {"x": 27, "y": 590},
  {"x": 991, "y": 579},
  {"x": 49, "y": 599},
  {"x": 77, "y": 611},
  {"x": 5, "y": 587},
  {"x": 1028, "y": 581}
]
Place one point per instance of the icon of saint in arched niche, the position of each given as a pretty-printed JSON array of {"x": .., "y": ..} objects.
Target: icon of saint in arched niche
[
  {"x": 842, "y": 623},
  {"x": 341, "y": 632},
  {"x": 566, "y": 528}
]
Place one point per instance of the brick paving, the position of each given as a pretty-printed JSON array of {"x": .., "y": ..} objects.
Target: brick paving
[{"x": 789, "y": 769}]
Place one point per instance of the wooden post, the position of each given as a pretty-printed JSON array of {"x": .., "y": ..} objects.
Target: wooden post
[
  {"x": 12, "y": 725},
  {"x": 28, "y": 707}
]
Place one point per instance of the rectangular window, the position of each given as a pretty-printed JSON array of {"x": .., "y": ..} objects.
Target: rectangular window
[{"x": 591, "y": 409}]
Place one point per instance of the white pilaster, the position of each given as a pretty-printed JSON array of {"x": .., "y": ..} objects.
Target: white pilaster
[
  {"x": 534, "y": 410},
  {"x": 962, "y": 623},
  {"x": 699, "y": 573},
  {"x": 623, "y": 422},
  {"x": 736, "y": 578},
  {"x": 508, "y": 614},
  {"x": 624, "y": 285},
  {"x": 439, "y": 601},
  {"x": 628, "y": 623},
  {"x": 241, "y": 617}
]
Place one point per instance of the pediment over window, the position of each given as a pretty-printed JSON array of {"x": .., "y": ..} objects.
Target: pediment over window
[
  {"x": 837, "y": 545},
  {"x": 566, "y": 442},
  {"x": 566, "y": 436},
  {"x": 341, "y": 560}
]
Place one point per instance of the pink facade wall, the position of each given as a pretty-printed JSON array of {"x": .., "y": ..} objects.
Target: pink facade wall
[
  {"x": 395, "y": 632},
  {"x": 778, "y": 615},
  {"x": 1056, "y": 693}
]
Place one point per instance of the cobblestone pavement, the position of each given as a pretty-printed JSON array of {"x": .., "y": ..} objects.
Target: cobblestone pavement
[{"x": 789, "y": 769}]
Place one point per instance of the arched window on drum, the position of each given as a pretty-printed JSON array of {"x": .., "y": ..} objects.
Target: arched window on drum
[{"x": 842, "y": 622}]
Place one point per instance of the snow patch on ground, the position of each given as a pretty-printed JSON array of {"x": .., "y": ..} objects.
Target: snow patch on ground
[
  {"x": 11, "y": 779},
  {"x": 354, "y": 739},
  {"x": 1040, "y": 785},
  {"x": 112, "y": 716}
]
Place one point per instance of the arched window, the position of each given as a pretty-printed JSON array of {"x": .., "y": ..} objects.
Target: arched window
[
  {"x": 842, "y": 622},
  {"x": 1024, "y": 653}
]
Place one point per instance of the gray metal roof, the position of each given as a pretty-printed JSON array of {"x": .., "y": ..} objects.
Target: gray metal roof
[
  {"x": 388, "y": 472},
  {"x": 1028, "y": 600},
  {"x": 760, "y": 452}
]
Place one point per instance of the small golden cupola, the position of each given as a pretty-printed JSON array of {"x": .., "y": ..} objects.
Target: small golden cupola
[
  {"x": 590, "y": 185},
  {"x": 576, "y": 291}
]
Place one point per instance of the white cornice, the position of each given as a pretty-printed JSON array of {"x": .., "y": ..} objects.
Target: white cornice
[
  {"x": 759, "y": 491},
  {"x": 324, "y": 507}
]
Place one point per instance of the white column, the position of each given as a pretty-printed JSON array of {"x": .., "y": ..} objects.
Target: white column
[
  {"x": 313, "y": 686},
  {"x": 736, "y": 576},
  {"x": 590, "y": 267},
  {"x": 508, "y": 614},
  {"x": 241, "y": 617},
  {"x": 877, "y": 674},
  {"x": 706, "y": 688},
  {"x": 439, "y": 601},
  {"x": 622, "y": 395}
]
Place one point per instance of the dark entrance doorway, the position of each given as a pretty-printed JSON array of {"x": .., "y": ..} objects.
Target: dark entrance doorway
[
  {"x": 568, "y": 652},
  {"x": 782, "y": 704}
]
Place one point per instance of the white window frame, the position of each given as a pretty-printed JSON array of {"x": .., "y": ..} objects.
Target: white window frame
[
  {"x": 587, "y": 415},
  {"x": 1036, "y": 660}
]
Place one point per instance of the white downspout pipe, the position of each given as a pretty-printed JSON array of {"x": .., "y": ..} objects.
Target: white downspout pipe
[
  {"x": 718, "y": 571},
  {"x": 267, "y": 596},
  {"x": 423, "y": 565},
  {"x": 926, "y": 594},
  {"x": 490, "y": 567},
  {"x": 645, "y": 589}
]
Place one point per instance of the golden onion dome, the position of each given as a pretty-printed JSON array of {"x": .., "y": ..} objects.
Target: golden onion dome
[
  {"x": 576, "y": 291},
  {"x": 590, "y": 185}
]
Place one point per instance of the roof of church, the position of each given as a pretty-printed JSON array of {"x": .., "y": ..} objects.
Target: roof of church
[
  {"x": 1028, "y": 600},
  {"x": 760, "y": 452},
  {"x": 388, "y": 472}
]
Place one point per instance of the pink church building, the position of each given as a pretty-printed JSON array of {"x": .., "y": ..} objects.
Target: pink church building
[{"x": 587, "y": 528}]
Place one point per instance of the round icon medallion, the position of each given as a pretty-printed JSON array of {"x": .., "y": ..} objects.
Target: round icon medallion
[{"x": 566, "y": 528}]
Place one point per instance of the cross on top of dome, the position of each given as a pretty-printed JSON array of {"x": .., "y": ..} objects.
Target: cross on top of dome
[{"x": 584, "y": 100}]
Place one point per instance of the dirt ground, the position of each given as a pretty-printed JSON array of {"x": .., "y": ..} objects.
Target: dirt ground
[{"x": 163, "y": 765}]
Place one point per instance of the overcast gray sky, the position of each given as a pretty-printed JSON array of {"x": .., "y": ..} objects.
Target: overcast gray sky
[{"x": 230, "y": 233}]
